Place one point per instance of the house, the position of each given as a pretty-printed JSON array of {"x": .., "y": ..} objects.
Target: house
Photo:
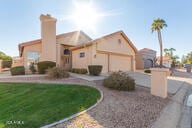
[
  {"x": 77, "y": 50},
  {"x": 167, "y": 61},
  {"x": 145, "y": 58}
]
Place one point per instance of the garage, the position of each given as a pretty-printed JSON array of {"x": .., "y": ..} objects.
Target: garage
[{"x": 119, "y": 63}]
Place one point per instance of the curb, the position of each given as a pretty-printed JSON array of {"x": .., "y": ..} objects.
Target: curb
[{"x": 77, "y": 114}]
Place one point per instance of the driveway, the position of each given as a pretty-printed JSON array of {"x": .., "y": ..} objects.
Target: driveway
[
  {"x": 182, "y": 73},
  {"x": 144, "y": 79}
]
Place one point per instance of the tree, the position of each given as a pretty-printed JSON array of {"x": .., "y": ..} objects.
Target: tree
[
  {"x": 187, "y": 59},
  {"x": 183, "y": 59},
  {"x": 157, "y": 25},
  {"x": 166, "y": 51},
  {"x": 169, "y": 52},
  {"x": 3, "y": 56}
]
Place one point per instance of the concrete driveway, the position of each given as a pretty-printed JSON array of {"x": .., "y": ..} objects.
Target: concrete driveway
[{"x": 144, "y": 79}]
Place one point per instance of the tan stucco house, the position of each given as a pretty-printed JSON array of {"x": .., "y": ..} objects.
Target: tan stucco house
[
  {"x": 77, "y": 50},
  {"x": 167, "y": 61},
  {"x": 145, "y": 58}
]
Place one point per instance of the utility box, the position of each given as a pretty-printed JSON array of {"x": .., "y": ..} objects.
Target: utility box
[
  {"x": 188, "y": 68},
  {"x": 159, "y": 82}
]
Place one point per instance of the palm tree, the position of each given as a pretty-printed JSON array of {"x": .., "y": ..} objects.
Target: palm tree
[
  {"x": 166, "y": 51},
  {"x": 171, "y": 52},
  {"x": 157, "y": 25}
]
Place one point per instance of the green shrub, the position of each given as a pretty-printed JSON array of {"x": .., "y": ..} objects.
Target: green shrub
[
  {"x": 6, "y": 63},
  {"x": 44, "y": 65},
  {"x": 56, "y": 72},
  {"x": 95, "y": 70},
  {"x": 19, "y": 70},
  {"x": 79, "y": 70},
  {"x": 147, "y": 71},
  {"x": 120, "y": 81},
  {"x": 32, "y": 67}
]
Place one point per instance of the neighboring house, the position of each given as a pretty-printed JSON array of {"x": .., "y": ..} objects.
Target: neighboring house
[
  {"x": 17, "y": 61},
  {"x": 145, "y": 58},
  {"x": 77, "y": 50},
  {"x": 167, "y": 61}
]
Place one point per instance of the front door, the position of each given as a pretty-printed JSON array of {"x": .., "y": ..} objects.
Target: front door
[{"x": 67, "y": 62}]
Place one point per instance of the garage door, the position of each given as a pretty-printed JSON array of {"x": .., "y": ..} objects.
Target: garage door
[{"x": 120, "y": 63}]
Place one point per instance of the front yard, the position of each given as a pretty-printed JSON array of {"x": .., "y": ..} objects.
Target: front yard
[{"x": 31, "y": 105}]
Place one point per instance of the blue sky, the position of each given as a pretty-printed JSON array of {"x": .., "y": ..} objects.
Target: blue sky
[{"x": 20, "y": 21}]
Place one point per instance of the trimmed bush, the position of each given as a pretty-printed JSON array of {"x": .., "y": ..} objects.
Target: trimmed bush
[
  {"x": 6, "y": 63},
  {"x": 79, "y": 70},
  {"x": 32, "y": 68},
  {"x": 19, "y": 70},
  {"x": 44, "y": 65},
  {"x": 56, "y": 72},
  {"x": 120, "y": 81},
  {"x": 147, "y": 71},
  {"x": 95, "y": 70}
]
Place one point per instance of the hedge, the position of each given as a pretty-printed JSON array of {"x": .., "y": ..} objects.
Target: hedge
[
  {"x": 95, "y": 70},
  {"x": 6, "y": 63},
  {"x": 147, "y": 71},
  {"x": 120, "y": 81},
  {"x": 44, "y": 65},
  {"x": 19, "y": 70},
  {"x": 56, "y": 72}
]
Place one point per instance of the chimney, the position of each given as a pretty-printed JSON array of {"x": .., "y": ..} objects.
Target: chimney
[{"x": 48, "y": 36}]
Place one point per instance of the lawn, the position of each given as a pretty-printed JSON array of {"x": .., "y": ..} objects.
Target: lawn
[{"x": 31, "y": 105}]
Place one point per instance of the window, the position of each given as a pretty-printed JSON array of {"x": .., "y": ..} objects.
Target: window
[
  {"x": 32, "y": 57},
  {"x": 82, "y": 54},
  {"x": 66, "y": 52}
]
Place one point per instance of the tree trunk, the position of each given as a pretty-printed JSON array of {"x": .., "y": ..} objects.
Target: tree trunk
[{"x": 161, "y": 48}]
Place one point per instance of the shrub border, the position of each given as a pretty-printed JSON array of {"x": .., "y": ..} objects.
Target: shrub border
[{"x": 79, "y": 113}]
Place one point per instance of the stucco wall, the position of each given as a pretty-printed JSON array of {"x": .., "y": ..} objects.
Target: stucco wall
[
  {"x": 116, "y": 44},
  {"x": 139, "y": 61},
  {"x": 78, "y": 62},
  {"x": 31, "y": 48}
]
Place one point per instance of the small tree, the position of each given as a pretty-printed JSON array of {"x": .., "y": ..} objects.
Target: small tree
[{"x": 32, "y": 67}]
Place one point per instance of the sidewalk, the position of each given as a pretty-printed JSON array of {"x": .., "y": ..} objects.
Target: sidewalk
[{"x": 175, "y": 115}]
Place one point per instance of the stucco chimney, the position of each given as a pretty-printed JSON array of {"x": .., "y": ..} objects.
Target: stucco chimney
[{"x": 48, "y": 36}]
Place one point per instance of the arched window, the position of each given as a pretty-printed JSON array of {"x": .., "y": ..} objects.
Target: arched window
[{"x": 66, "y": 52}]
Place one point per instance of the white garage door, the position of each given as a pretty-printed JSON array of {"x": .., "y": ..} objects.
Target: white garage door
[{"x": 120, "y": 63}]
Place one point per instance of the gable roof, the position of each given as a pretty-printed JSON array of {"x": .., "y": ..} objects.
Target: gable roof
[
  {"x": 165, "y": 58},
  {"x": 146, "y": 49},
  {"x": 109, "y": 35},
  {"x": 63, "y": 35}
]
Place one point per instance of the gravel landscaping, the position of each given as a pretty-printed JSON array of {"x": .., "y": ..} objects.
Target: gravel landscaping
[{"x": 121, "y": 109}]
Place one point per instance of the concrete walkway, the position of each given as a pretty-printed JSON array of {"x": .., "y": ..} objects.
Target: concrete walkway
[{"x": 88, "y": 77}]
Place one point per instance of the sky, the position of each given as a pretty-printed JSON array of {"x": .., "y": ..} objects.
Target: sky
[{"x": 19, "y": 21}]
